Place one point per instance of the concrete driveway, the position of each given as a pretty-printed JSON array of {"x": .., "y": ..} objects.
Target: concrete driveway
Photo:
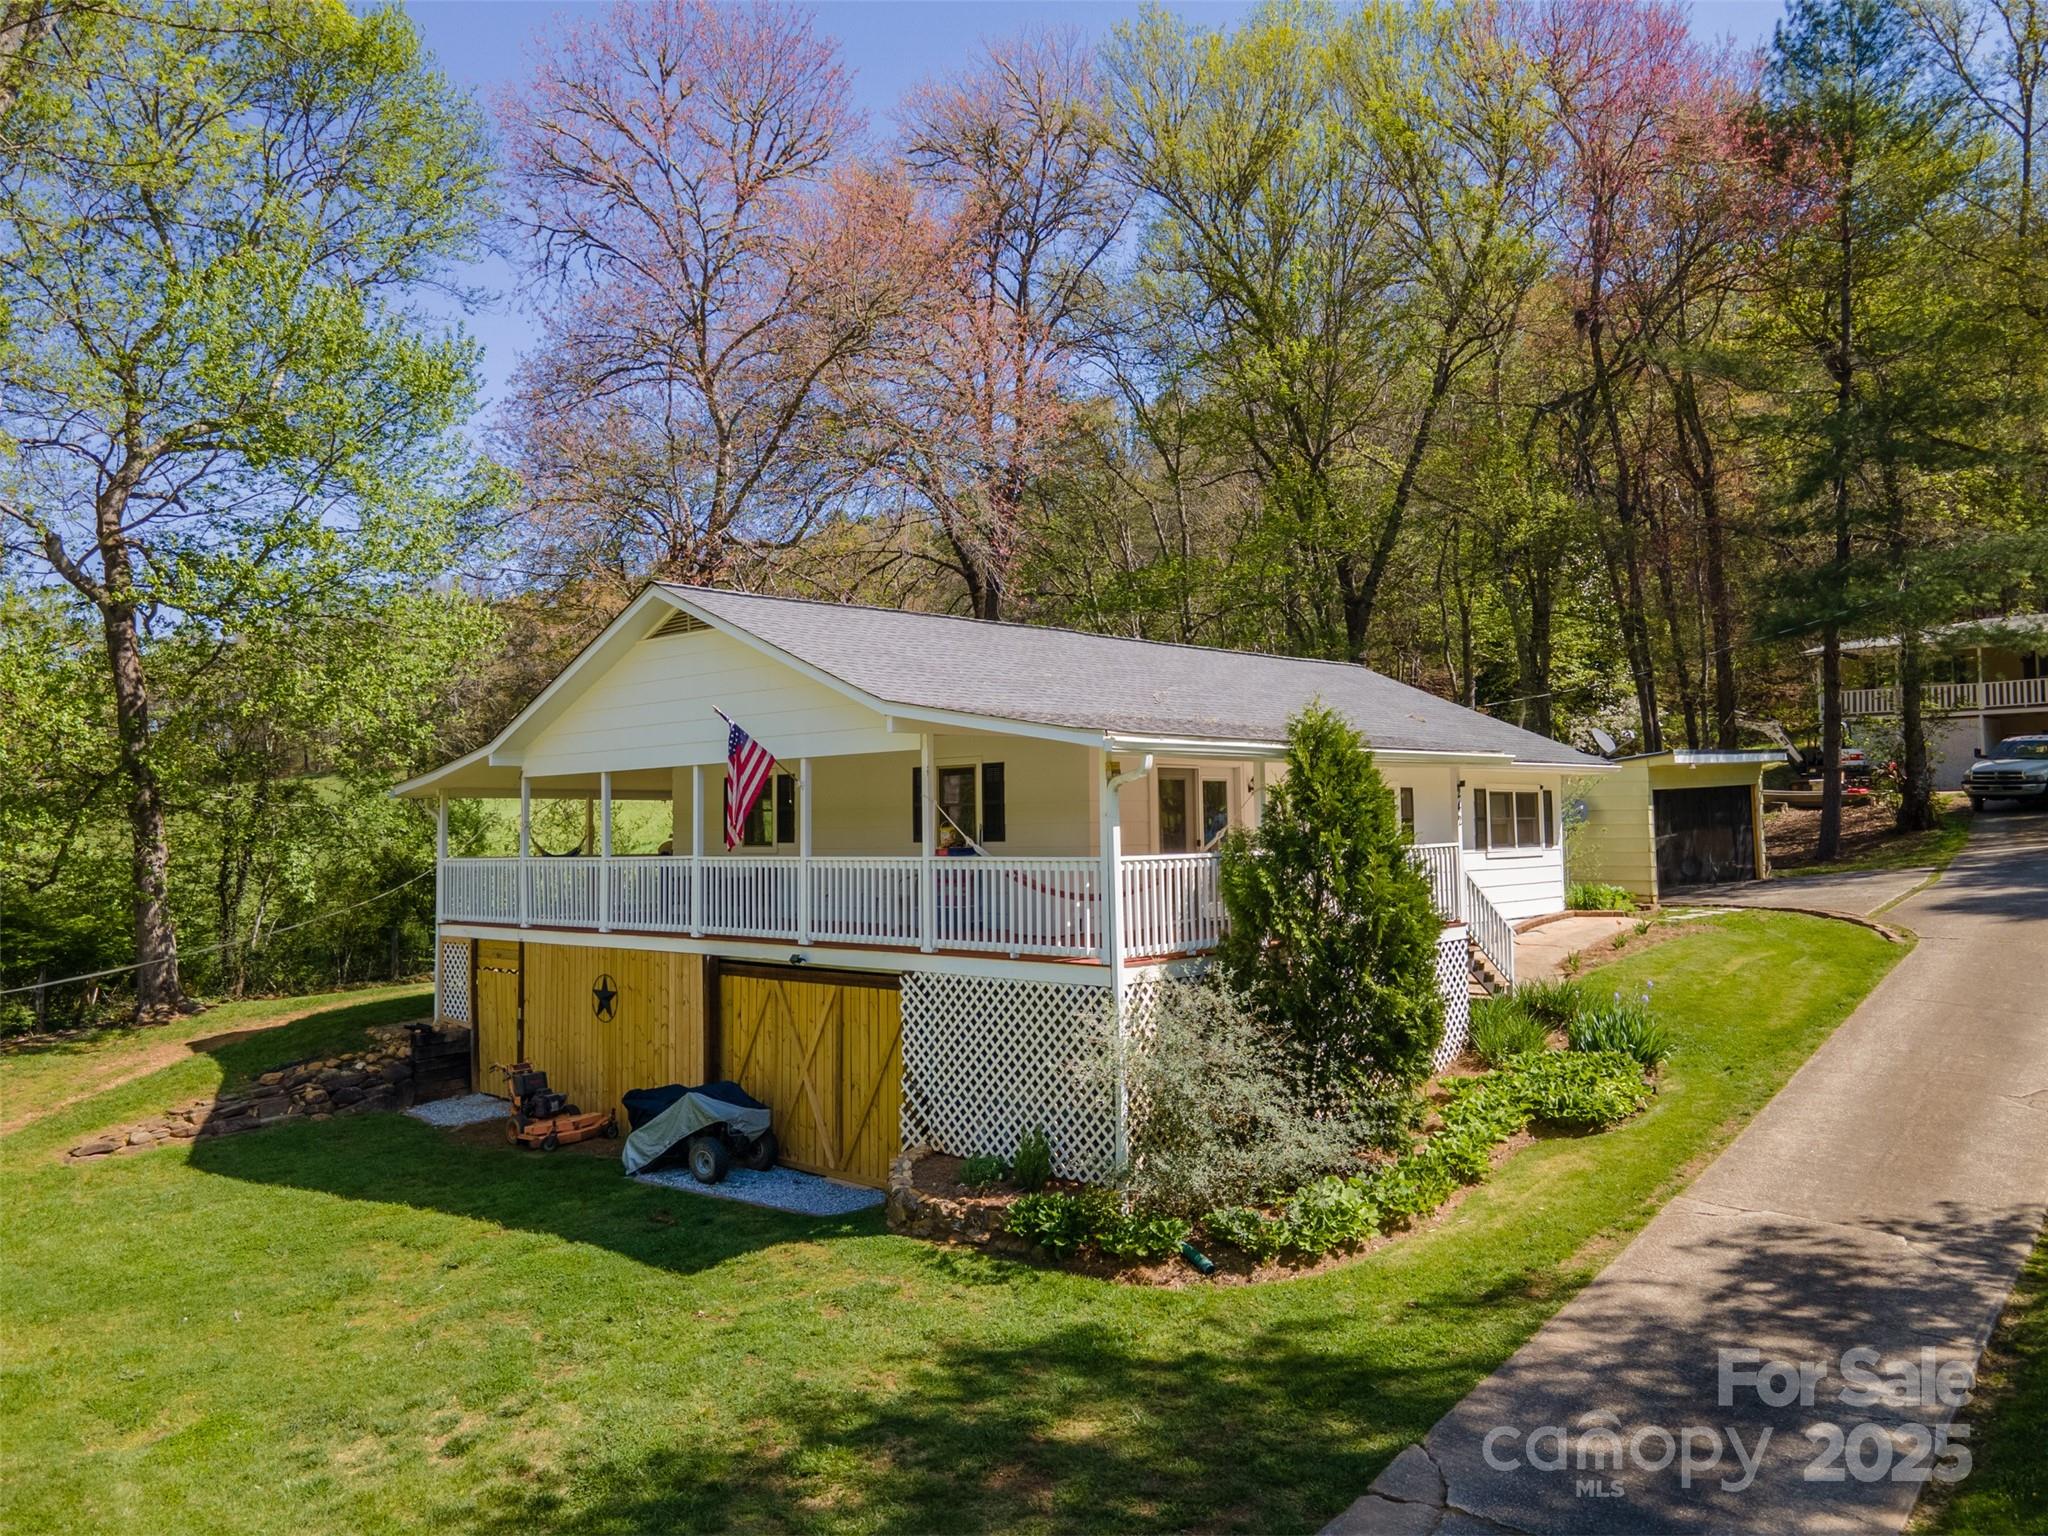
[
  {"x": 1860, "y": 893},
  {"x": 1883, "y": 1202}
]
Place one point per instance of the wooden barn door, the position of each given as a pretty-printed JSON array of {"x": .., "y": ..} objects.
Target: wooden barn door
[
  {"x": 497, "y": 1010},
  {"x": 824, "y": 1051}
]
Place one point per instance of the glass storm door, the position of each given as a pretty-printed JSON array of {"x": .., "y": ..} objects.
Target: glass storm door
[{"x": 1176, "y": 810}]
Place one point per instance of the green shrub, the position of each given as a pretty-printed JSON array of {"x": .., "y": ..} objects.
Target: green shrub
[
  {"x": 1591, "y": 896},
  {"x": 1251, "y": 1232},
  {"x": 1551, "y": 1003},
  {"x": 1062, "y": 1223},
  {"x": 1578, "y": 1088},
  {"x": 1330, "y": 1213},
  {"x": 1623, "y": 1024},
  {"x": 1333, "y": 934},
  {"x": 1144, "y": 1237},
  {"x": 980, "y": 1171},
  {"x": 1032, "y": 1166},
  {"x": 1502, "y": 1028},
  {"x": 1216, "y": 1118}
]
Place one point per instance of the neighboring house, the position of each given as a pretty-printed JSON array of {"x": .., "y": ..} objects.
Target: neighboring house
[
  {"x": 872, "y": 983},
  {"x": 1986, "y": 679},
  {"x": 1664, "y": 820}
]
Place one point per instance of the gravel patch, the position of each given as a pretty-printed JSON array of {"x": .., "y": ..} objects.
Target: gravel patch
[
  {"x": 469, "y": 1109},
  {"x": 779, "y": 1189}
]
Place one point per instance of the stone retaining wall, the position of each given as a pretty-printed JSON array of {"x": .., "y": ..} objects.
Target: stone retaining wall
[{"x": 376, "y": 1077}]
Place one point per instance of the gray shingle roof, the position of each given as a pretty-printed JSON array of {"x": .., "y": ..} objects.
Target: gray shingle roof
[{"x": 1088, "y": 682}]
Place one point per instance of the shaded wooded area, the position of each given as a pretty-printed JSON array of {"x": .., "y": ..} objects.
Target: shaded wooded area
[{"x": 1554, "y": 358}]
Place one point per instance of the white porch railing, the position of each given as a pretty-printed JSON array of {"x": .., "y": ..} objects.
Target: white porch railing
[
  {"x": 1022, "y": 906},
  {"x": 1047, "y": 906},
  {"x": 751, "y": 896},
  {"x": 1441, "y": 862},
  {"x": 1492, "y": 933},
  {"x": 865, "y": 901},
  {"x": 1950, "y": 698},
  {"x": 651, "y": 893},
  {"x": 1170, "y": 903},
  {"x": 563, "y": 893}
]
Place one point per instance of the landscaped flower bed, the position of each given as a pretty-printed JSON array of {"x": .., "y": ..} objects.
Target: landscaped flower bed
[{"x": 1604, "y": 1075}]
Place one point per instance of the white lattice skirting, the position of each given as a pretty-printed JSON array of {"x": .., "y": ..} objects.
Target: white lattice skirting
[
  {"x": 451, "y": 981},
  {"x": 1454, "y": 980},
  {"x": 985, "y": 1060}
]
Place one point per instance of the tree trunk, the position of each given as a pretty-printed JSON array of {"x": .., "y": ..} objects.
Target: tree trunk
[
  {"x": 1916, "y": 804},
  {"x": 1829, "y": 844},
  {"x": 158, "y": 987},
  {"x": 1696, "y": 457}
]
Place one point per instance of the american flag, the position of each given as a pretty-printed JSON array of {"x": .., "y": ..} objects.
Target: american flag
[{"x": 748, "y": 770}]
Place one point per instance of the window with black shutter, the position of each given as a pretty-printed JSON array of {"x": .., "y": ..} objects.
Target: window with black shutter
[
  {"x": 785, "y": 808},
  {"x": 917, "y": 805},
  {"x": 994, "y": 827}
]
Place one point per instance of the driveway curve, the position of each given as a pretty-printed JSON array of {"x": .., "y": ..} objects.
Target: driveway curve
[{"x": 1807, "y": 1310}]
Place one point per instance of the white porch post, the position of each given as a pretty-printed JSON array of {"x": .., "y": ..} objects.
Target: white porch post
[
  {"x": 440, "y": 858},
  {"x": 525, "y": 839},
  {"x": 440, "y": 899},
  {"x": 803, "y": 850},
  {"x": 696, "y": 850},
  {"x": 1259, "y": 789},
  {"x": 1113, "y": 944},
  {"x": 927, "y": 889},
  {"x": 604, "y": 852}
]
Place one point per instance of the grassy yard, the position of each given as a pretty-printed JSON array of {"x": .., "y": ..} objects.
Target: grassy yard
[
  {"x": 1869, "y": 840},
  {"x": 369, "y": 1325},
  {"x": 2007, "y": 1492}
]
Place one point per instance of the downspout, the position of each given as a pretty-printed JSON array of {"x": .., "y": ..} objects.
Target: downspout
[{"x": 1113, "y": 935}]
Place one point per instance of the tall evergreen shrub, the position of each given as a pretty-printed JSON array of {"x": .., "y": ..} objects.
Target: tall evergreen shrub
[{"x": 1332, "y": 932}]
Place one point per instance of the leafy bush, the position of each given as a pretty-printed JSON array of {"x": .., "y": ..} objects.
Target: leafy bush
[
  {"x": 979, "y": 1172},
  {"x": 1503, "y": 1028},
  {"x": 1333, "y": 935},
  {"x": 1063, "y": 1223},
  {"x": 1575, "y": 1088},
  {"x": 1251, "y": 1232},
  {"x": 1216, "y": 1118},
  {"x": 1623, "y": 1024},
  {"x": 1551, "y": 1003},
  {"x": 1330, "y": 1213},
  {"x": 1592, "y": 896},
  {"x": 1144, "y": 1237},
  {"x": 1032, "y": 1166}
]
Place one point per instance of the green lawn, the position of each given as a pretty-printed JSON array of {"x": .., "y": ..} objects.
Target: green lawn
[
  {"x": 1932, "y": 849},
  {"x": 2007, "y": 1492},
  {"x": 366, "y": 1324}
]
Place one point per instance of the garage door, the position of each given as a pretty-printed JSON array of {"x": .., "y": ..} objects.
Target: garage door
[
  {"x": 824, "y": 1051},
  {"x": 1704, "y": 834}
]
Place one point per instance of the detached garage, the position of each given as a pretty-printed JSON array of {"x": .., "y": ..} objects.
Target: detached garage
[{"x": 1667, "y": 820}]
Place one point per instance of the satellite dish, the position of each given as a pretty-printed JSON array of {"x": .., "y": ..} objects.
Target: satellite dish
[{"x": 1604, "y": 742}]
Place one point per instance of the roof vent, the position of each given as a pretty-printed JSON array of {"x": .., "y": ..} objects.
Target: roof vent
[{"x": 679, "y": 623}]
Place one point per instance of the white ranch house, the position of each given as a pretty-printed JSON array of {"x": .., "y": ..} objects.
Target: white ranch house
[{"x": 979, "y": 833}]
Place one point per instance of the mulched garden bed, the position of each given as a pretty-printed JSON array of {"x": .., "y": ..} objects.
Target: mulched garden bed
[
  {"x": 949, "y": 1211},
  {"x": 1793, "y": 835}
]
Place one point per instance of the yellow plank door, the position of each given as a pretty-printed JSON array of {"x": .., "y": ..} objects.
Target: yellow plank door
[
  {"x": 825, "y": 1053},
  {"x": 497, "y": 1010}
]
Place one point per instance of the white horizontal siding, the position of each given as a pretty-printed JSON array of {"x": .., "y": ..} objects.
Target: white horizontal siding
[{"x": 656, "y": 708}]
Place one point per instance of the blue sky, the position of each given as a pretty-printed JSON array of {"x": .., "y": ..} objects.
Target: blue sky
[{"x": 888, "y": 45}]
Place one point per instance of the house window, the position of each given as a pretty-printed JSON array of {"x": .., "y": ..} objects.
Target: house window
[
  {"x": 1408, "y": 812},
  {"x": 1215, "y": 810},
  {"x": 773, "y": 817},
  {"x": 1512, "y": 820},
  {"x": 972, "y": 801}
]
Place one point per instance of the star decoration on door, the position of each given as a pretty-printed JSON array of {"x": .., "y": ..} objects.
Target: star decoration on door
[{"x": 603, "y": 997}]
